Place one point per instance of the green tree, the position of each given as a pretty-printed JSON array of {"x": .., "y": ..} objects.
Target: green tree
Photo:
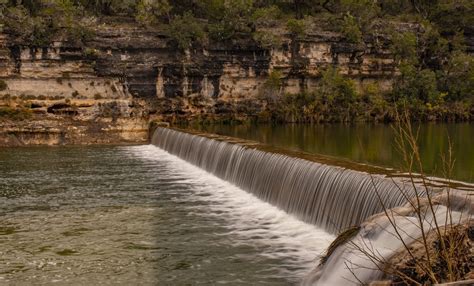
[
  {"x": 351, "y": 29},
  {"x": 404, "y": 47},
  {"x": 415, "y": 87},
  {"x": 150, "y": 11},
  {"x": 335, "y": 89},
  {"x": 458, "y": 77},
  {"x": 296, "y": 27},
  {"x": 233, "y": 20},
  {"x": 266, "y": 16},
  {"x": 186, "y": 30}
]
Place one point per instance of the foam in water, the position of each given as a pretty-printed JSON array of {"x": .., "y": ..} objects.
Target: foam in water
[
  {"x": 249, "y": 218},
  {"x": 327, "y": 196},
  {"x": 350, "y": 265}
]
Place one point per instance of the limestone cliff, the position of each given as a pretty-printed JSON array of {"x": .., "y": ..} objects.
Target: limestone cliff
[{"x": 108, "y": 90}]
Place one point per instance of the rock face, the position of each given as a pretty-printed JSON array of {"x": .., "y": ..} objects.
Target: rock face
[
  {"x": 127, "y": 76},
  {"x": 54, "y": 95}
]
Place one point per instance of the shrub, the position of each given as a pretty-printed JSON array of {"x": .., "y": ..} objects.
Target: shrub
[
  {"x": 274, "y": 80},
  {"x": 91, "y": 53},
  {"x": 17, "y": 22},
  {"x": 229, "y": 19},
  {"x": 296, "y": 27},
  {"x": 79, "y": 33},
  {"x": 3, "y": 85},
  {"x": 416, "y": 86},
  {"x": 271, "y": 89},
  {"x": 362, "y": 11},
  {"x": 404, "y": 47},
  {"x": 66, "y": 75},
  {"x": 458, "y": 78},
  {"x": 15, "y": 113},
  {"x": 267, "y": 39},
  {"x": 336, "y": 89},
  {"x": 266, "y": 16},
  {"x": 186, "y": 30},
  {"x": 351, "y": 30},
  {"x": 97, "y": 96},
  {"x": 148, "y": 12}
]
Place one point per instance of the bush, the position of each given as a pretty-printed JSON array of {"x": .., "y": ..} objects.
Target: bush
[
  {"x": 91, "y": 53},
  {"x": 266, "y": 16},
  {"x": 267, "y": 39},
  {"x": 15, "y": 113},
  {"x": 79, "y": 34},
  {"x": 186, "y": 30},
  {"x": 458, "y": 78},
  {"x": 416, "y": 86},
  {"x": 404, "y": 47},
  {"x": 3, "y": 85},
  {"x": 17, "y": 22},
  {"x": 272, "y": 87},
  {"x": 296, "y": 27},
  {"x": 274, "y": 80},
  {"x": 148, "y": 12},
  {"x": 229, "y": 19},
  {"x": 351, "y": 30},
  {"x": 362, "y": 11},
  {"x": 336, "y": 89},
  {"x": 39, "y": 23}
]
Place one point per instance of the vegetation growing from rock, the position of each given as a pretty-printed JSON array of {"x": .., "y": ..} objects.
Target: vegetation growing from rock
[
  {"x": 436, "y": 71},
  {"x": 11, "y": 113},
  {"x": 3, "y": 85}
]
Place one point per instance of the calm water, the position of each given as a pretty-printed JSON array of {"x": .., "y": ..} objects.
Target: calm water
[
  {"x": 367, "y": 143},
  {"x": 139, "y": 216}
]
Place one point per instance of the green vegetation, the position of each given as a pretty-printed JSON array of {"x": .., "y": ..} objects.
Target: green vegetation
[
  {"x": 436, "y": 73},
  {"x": 337, "y": 99},
  {"x": 11, "y": 113},
  {"x": 3, "y": 85},
  {"x": 186, "y": 30},
  {"x": 296, "y": 27},
  {"x": 334, "y": 99}
]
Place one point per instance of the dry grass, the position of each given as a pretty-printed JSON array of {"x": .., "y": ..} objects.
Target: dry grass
[{"x": 443, "y": 251}]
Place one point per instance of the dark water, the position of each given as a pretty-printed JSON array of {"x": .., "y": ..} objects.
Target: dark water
[
  {"x": 368, "y": 143},
  {"x": 139, "y": 216}
]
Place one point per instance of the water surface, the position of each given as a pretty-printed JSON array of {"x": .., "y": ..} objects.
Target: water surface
[
  {"x": 138, "y": 215},
  {"x": 367, "y": 143}
]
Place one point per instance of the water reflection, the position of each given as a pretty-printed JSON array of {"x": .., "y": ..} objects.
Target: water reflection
[{"x": 366, "y": 143}]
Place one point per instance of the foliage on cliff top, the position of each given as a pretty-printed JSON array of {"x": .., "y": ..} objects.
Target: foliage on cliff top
[
  {"x": 426, "y": 37},
  {"x": 230, "y": 18}
]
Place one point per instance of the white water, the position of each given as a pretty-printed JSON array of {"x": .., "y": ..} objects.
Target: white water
[
  {"x": 350, "y": 264},
  {"x": 327, "y": 196},
  {"x": 249, "y": 218},
  {"x": 330, "y": 197}
]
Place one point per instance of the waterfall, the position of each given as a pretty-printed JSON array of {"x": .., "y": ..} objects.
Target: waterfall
[{"x": 330, "y": 197}]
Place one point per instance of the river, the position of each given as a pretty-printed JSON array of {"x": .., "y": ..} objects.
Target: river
[{"x": 138, "y": 215}]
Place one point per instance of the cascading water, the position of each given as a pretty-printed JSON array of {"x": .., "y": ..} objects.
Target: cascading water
[
  {"x": 327, "y": 196},
  {"x": 330, "y": 197}
]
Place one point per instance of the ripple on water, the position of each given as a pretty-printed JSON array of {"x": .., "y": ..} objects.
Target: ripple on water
[{"x": 118, "y": 215}]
